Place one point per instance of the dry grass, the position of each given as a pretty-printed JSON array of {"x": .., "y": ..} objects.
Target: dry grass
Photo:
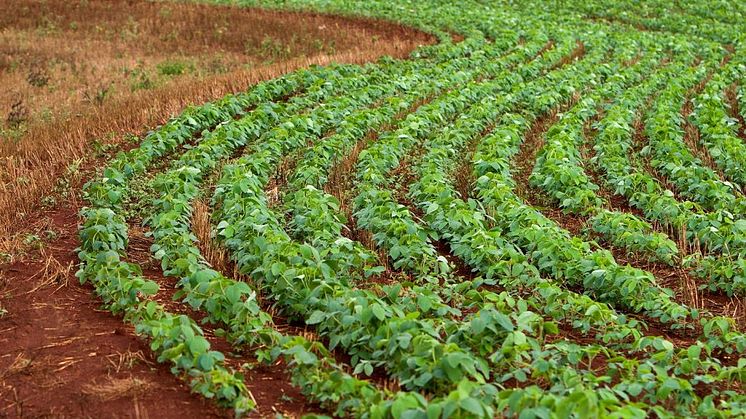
[
  {"x": 19, "y": 364},
  {"x": 52, "y": 273},
  {"x": 116, "y": 388},
  {"x": 126, "y": 360},
  {"x": 57, "y": 58}
]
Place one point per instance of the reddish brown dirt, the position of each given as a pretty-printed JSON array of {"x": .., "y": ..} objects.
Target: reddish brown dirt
[
  {"x": 340, "y": 185},
  {"x": 692, "y": 139},
  {"x": 61, "y": 351},
  {"x": 47, "y": 148},
  {"x": 463, "y": 176},
  {"x": 403, "y": 177},
  {"x": 524, "y": 163},
  {"x": 691, "y": 133},
  {"x": 217, "y": 257},
  {"x": 639, "y": 141},
  {"x": 678, "y": 279},
  {"x": 674, "y": 277},
  {"x": 576, "y": 53}
]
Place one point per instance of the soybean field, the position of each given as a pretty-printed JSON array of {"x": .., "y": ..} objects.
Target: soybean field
[{"x": 539, "y": 215}]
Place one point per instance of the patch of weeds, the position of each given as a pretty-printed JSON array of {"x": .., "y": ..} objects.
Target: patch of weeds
[
  {"x": 142, "y": 81},
  {"x": 73, "y": 168},
  {"x": 320, "y": 46},
  {"x": 217, "y": 65},
  {"x": 3, "y": 312},
  {"x": 270, "y": 49},
  {"x": 99, "y": 94},
  {"x": 12, "y": 134},
  {"x": 101, "y": 148},
  {"x": 220, "y": 28},
  {"x": 47, "y": 26},
  {"x": 285, "y": 398},
  {"x": 64, "y": 183},
  {"x": 49, "y": 201},
  {"x": 131, "y": 138},
  {"x": 140, "y": 78},
  {"x": 165, "y": 12},
  {"x": 174, "y": 68},
  {"x": 130, "y": 30},
  {"x": 171, "y": 36},
  {"x": 45, "y": 115},
  {"x": 32, "y": 241},
  {"x": 18, "y": 114},
  {"x": 137, "y": 203},
  {"x": 38, "y": 75}
]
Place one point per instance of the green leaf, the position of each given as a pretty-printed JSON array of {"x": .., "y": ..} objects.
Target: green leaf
[
  {"x": 316, "y": 317},
  {"x": 424, "y": 302},
  {"x": 472, "y": 405},
  {"x": 306, "y": 358},
  {"x": 551, "y": 328},
  {"x": 149, "y": 288},
  {"x": 504, "y": 321},
  {"x": 433, "y": 411},
  {"x": 694, "y": 351},
  {"x": 198, "y": 345},
  {"x": 378, "y": 311},
  {"x": 205, "y": 362}
]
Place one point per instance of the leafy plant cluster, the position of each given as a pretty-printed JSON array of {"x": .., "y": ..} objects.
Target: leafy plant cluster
[
  {"x": 559, "y": 169},
  {"x": 718, "y": 129}
]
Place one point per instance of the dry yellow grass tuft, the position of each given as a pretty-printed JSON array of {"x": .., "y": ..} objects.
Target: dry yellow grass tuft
[{"x": 116, "y": 388}]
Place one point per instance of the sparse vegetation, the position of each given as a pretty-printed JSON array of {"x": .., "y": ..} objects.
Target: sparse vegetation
[
  {"x": 18, "y": 114},
  {"x": 174, "y": 68},
  {"x": 37, "y": 75}
]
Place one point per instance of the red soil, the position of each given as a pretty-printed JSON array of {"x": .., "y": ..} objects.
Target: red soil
[{"x": 61, "y": 351}]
